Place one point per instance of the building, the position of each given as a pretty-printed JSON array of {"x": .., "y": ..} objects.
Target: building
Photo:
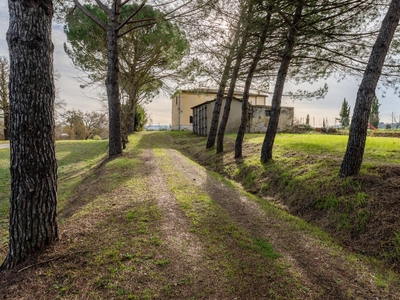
[
  {"x": 258, "y": 117},
  {"x": 183, "y": 101}
]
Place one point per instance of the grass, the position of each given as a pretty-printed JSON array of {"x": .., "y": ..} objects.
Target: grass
[
  {"x": 75, "y": 160},
  {"x": 220, "y": 235},
  {"x": 303, "y": 178},
  {"x": 114, "y": 213}
]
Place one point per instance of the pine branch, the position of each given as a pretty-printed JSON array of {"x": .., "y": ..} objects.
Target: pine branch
[{"x": 90, "y": 15}]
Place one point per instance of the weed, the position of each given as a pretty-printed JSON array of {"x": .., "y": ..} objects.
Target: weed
[
  {"x": 162, "y": 262},
  {"x": 266, "y": 248},
  {"x": 185, "y": 280},
  {"x": 344, "y": 222},
  {"x": 350, "y": 183},
  {"x": 361, "y": 199},
  {"x": 362, "y": 220},
  {"x": 396, "y": 241},
  {"x": 130, "y": 215},
  {"x": 328, "y": 202}
]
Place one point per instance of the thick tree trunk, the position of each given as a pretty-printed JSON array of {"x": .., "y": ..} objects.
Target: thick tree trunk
[
  {"x": 33, "y": 166},
  {"x": 212, "y": 134},
  {"x": 232, "y": 85},
  {"x": 358, "y": 130},
  {"x": 114, "y": 103},
  {"x": 266, "y": 151},
  {"x": 245, "y": 100}
]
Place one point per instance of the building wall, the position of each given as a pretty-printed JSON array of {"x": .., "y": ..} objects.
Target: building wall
[
  {"x": 183, "y": 102},
  {"x": 258, "y": 118},
  {"x": 182, "y": 109}
]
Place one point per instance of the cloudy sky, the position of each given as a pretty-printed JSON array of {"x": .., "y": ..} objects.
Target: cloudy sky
[{"x": 160, "y": 108}]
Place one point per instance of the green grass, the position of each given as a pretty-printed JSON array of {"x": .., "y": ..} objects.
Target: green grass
[
  {"x": 75, "y": 159},
  {"x": 303, "y": 176}
]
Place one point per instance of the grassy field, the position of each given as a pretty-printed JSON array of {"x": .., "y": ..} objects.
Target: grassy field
[
  {"x": 75, "y": 160},
  {"x": 135, "y": 228}
]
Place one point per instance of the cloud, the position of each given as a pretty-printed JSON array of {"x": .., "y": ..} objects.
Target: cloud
[{"x": 160, "y": 108}]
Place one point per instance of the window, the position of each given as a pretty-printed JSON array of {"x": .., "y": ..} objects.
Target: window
[
  {"x": 267, "y": 113},
  {"x": 191, "y": 119}
]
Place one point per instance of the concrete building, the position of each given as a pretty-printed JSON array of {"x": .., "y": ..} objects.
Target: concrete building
[
  {"x": 258, "y": 117},
  {"x": 183, "y": 101}
]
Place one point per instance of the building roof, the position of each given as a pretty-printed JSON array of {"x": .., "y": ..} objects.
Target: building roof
[
  {"x": 215, "y": 91},
  {"x": 209, "y": 101},
  {"x": 240, "y": 100}
]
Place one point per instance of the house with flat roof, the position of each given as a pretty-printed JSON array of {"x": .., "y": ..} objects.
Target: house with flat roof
[{"x": 183, "y": 101}]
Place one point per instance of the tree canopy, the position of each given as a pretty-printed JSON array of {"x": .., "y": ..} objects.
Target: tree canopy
[{"x": 148, "y": 56}]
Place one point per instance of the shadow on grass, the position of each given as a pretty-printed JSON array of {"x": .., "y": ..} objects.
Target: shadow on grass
[{"x": 108, "y": 175}]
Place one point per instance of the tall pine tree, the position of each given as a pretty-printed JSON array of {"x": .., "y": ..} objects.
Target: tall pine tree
[
  {"x": 374, "y": 115},
  {"x": 345, "y": 114}
]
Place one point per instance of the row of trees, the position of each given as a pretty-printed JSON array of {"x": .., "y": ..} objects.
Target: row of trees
[
  {"x": 272, "y": 40},
  {"x": 307, "y": 40}
]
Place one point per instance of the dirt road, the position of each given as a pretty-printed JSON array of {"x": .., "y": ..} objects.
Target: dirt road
[
  {"x": 326, "y": 272},
  {"x": 153, "y": 224}
]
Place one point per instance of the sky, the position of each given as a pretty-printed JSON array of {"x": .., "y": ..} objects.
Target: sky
[{"x": 160, "y": 109}]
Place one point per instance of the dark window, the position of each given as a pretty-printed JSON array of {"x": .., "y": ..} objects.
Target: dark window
[
  {"x": 267, "y": 113},
  {"x": 191, "y": 119}
]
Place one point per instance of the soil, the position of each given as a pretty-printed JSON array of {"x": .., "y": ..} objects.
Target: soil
[{"x": 323, "y": 271}]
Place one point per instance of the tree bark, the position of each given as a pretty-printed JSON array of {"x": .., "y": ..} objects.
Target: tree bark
[
  {"x": 245, "y": 100},
  {"x": 266, "y": 150},
  {"x": 212, "y": 134},
  {"x": 232, "y": 85},
  {"x": 353, "y": 157},
  {"x": 33, "y": 166},
  {"x": 6, "y": 130},
  {"x": 114, "y": 103}
]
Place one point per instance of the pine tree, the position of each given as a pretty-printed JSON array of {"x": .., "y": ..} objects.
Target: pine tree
[
  {"x": 308, "y": 119},
  {"x": 374, "y": 115},
  {"x": 353, "y": 157},
  {"x": 33, "y": 165},
  {"x": 345, "y": 113}
]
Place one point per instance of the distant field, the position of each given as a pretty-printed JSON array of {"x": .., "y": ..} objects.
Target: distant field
[{"x": 75, "y": 158}]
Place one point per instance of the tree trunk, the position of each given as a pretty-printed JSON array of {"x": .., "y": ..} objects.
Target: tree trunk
[
  {"x": 358, "y": 130},
  {"x": 114, "y": 104},
  {"x": 245, "y": 100},
  {"x": 6, "y": 130},
  {"x": 212, "y": 134},
  {"x": 232, "y": 85},
  {"x": 132, "y": 115},
  {"x": 266, "y": 151},
  {"x": 33, "y": 166}
]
